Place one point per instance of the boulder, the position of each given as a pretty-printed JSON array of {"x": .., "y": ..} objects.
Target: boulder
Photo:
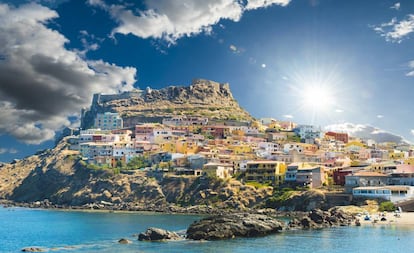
[
  {"x": 320, "y": 219},
  {"x": 233, "y": 225},
  {"x": 33, "y": 249},
  {"x": 124, "y": 241},
  {"x": 158, "y": 234}
]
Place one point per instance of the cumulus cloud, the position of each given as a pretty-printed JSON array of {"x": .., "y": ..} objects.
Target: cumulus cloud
[
  {"x": 171, "y": 20},
  {"x": 366, "y": 132},
  {"x": 396, "y": 31},
  {"x": 255, "y": 4},
  {"x": 42, "y": 83}
]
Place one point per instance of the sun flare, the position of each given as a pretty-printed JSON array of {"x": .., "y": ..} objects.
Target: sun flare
[{"x": 317, "y": 98}]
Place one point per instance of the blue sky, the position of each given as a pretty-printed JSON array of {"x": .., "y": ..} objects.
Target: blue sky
[{"x": 348, "y": 64}]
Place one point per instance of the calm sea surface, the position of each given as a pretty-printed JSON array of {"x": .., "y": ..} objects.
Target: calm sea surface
[{"x": 66, "y": 231}]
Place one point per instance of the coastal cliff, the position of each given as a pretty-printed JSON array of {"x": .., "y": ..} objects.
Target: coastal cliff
[{"x": 58, "y": 177}]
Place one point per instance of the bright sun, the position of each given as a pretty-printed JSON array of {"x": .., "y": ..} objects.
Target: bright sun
[
  {"x": 315, "y": 93},
  {"x": 317, "y": 98}
]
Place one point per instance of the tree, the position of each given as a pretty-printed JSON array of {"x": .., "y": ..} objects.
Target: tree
[
  {"x": 138, "y": 162},
  {"x": 120, "y": 164}
]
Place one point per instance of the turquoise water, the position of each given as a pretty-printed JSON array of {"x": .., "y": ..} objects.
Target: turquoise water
[{"x": 64, "y": 231}]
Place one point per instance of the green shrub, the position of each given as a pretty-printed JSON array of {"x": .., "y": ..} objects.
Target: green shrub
[{"x": 387, "y": 206}]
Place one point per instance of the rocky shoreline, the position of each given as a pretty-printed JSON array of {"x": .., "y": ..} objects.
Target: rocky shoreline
[{"x": 130, "y": 207}]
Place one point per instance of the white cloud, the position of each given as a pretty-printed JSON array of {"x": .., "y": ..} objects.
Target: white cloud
[
  {"x": 288, "y": 116},
  {"x": 412, "y": 131},
  {"x": 89, "y": 42},
  {"x": 411, "y": 66},
  {"x": 42, "y": 83},
  {"x": 171, "y": 20},
  {"x": 339, "y": 110},
  {"x": 255, "y": 4},
  {"x": 366, "y": 132},
  {"x": 395, "y": 31},
  {"x": 396, "y": 6},
  {"x": 263, "y": 65},
  {"x": 380, "y": 116},
  {"x": 8, "y": 151}
]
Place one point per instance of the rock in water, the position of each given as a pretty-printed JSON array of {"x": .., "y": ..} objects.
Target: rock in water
[
  {"x": 124, "y": 241},
  {"x": 233, "y": 225},
  {"x": 33, "y": 249},
  {"x": 321, "y": 219},
  {"x": 158, "y": 234}
]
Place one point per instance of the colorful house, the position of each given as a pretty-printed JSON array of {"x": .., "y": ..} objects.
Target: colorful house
[
  {"x": 365, "y": 178},
  {"x": 265, "y": 172}
]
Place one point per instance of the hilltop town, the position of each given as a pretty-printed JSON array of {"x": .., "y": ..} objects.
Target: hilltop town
[{"x": 183, "y": 143}]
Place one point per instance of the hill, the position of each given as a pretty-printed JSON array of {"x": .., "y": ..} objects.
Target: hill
[
  {"x": 203, "y": 98},
  {"x": 59, "y": 177}
]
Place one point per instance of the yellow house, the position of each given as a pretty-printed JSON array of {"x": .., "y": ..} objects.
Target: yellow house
[
  {"x": 266, "y": 172},
  {"x": 186, "y": 146},
  {"x": 168, "y": 147},
  {"x": 397, "y": 155},
  {"x": 240, "y": 149},
  {"x": 409, "y": 161},
  {"x": 354, "y": 146}
]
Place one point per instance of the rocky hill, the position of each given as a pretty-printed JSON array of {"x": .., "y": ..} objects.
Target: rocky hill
[
  {"x": 203, "y": 98},
  {"x": 58, "y": 176}
]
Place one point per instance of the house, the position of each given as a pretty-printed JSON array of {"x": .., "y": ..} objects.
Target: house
[
  {"x": 343, "y": 137},
  {"x": 308, "y": 133},
  {"x": 265, "y": 172},
  {"x": 108, "y": 121},
  {"x": 380, "y": 154},
  {"x": 291, "y": 172},
  {"x": 196, "y": 161},
  {"x": 339, "y": 175},
  {"x": 91, "y": 150},
  {"x": 354, "y": 146},
  {"x": 124, "y": 151},
  {"x": 402, "y": 175},
  {"x": 185, "y": 121},
  {"x": 220, "y": 170},
  {"x": 186, "y": 146},
  {"x": 217, "y": 132},
  {"x": 397, "y": 155},
  {"x": 365, "y": 178},
  {"x": 385, "y": 167},
  {"x": 144, "y": 132},
  {"x": 311, "y": 176},
  {"x": 393, "y": 193},
  {"x": 293, "y": 146}
]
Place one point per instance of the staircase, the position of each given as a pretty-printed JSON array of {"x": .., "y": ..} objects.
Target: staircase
[{"x": 406, "y": 205}]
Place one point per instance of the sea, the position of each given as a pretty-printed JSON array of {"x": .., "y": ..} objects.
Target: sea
[{"x": 83, "y": 231}]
